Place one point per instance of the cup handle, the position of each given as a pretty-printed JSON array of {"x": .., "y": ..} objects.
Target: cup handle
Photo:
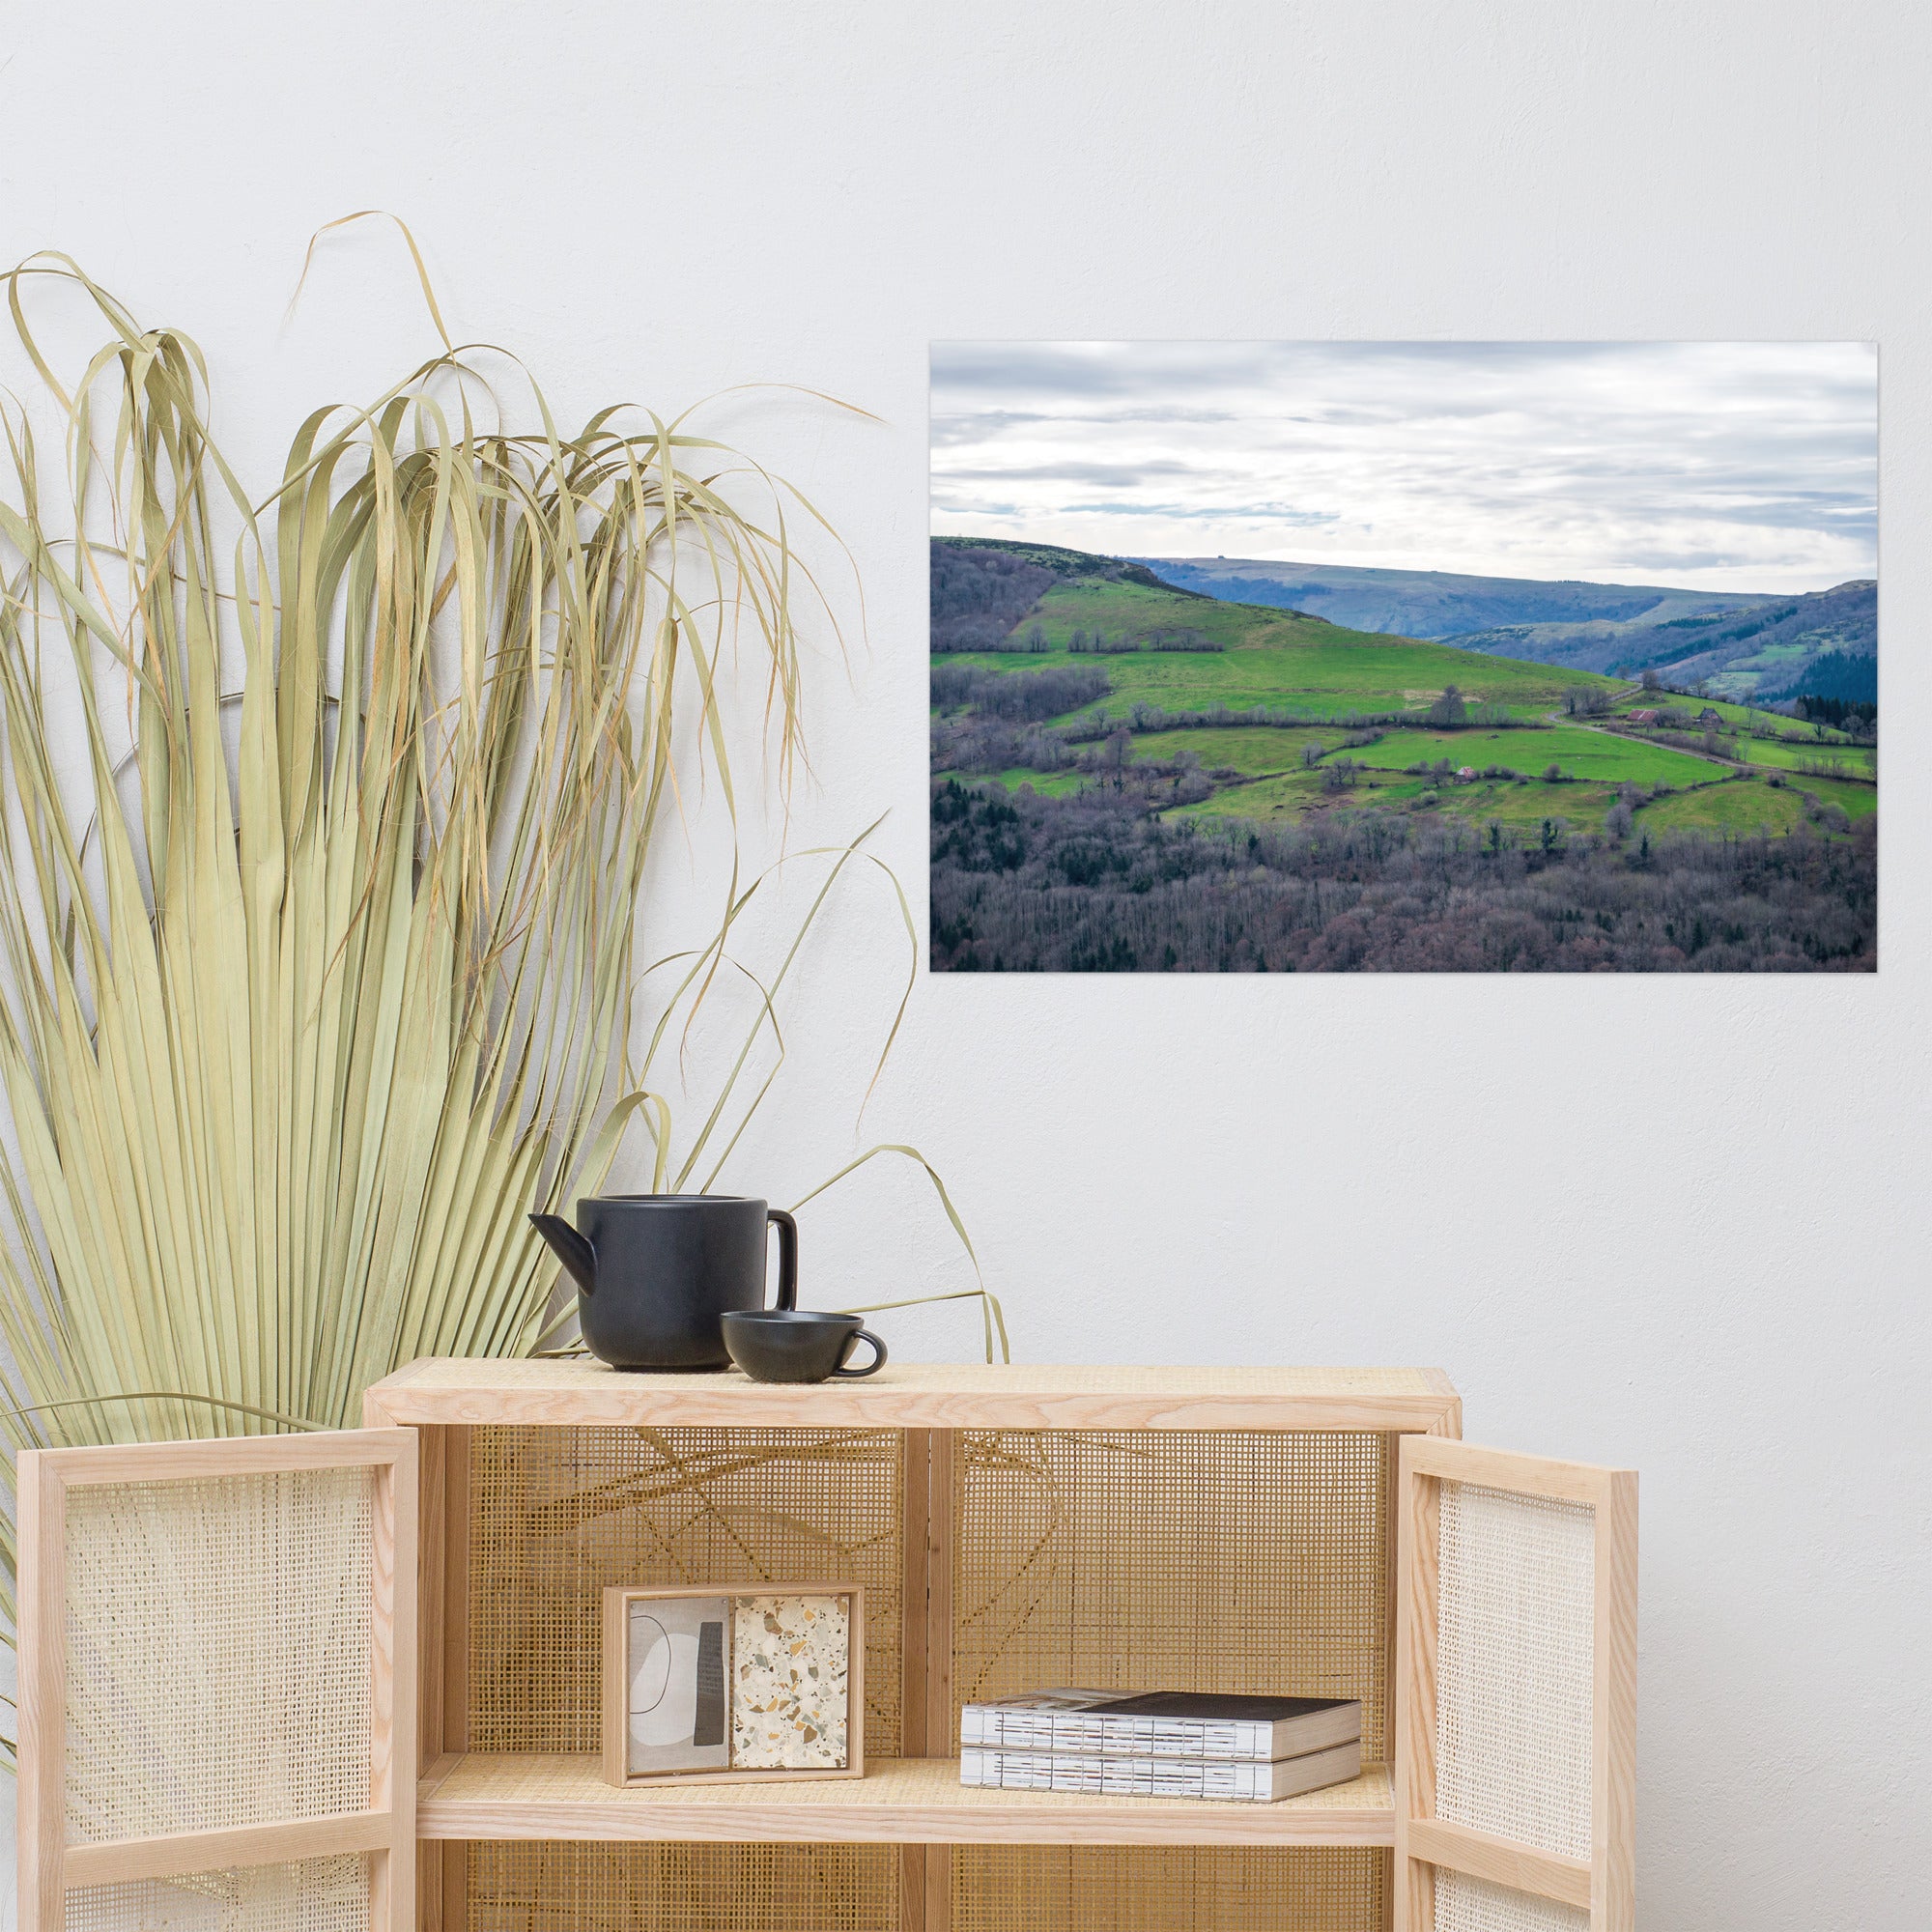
[
  {"x": 788, "y": 1256},
  {"x": 872, "y": 1367}
]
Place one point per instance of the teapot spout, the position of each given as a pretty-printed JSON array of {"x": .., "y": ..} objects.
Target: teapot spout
[{"x": 570, "y": 1248}]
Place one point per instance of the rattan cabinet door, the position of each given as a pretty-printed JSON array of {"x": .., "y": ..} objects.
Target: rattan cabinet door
[
  {"x": 218, "y": 1685},
  {"x": 1516, "y": 1693}
]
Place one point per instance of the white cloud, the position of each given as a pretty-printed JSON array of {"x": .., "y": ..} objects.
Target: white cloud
[{"x": 1742, "y": 466}]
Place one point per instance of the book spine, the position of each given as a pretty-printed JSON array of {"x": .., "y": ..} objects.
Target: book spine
[
  {"x": 1114, "y": 1776},
  {"x": 1013, "y": 1729}
]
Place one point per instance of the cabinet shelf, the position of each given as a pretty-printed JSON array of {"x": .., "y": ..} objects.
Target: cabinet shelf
[
  {"x": 898, "y": 1801},
  {"x": 583, "y": 1393}
]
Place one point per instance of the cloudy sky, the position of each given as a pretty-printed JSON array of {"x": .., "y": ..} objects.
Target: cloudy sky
[{"x": 1721, "y": 465}]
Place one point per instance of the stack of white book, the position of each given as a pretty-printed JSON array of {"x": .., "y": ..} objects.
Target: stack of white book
[{"x": 1163, "y": 1744}]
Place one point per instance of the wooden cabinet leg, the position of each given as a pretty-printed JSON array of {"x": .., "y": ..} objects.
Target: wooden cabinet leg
[
  {"x": 914, "y": 1523},
  {"x": 938, "y": 1889},
  {"x": 443, "y": 1639},
  {"x": 912, "y": 1889},
  {"x": 925, "y": 1683},
  {"x": 443, "y": 1875}
]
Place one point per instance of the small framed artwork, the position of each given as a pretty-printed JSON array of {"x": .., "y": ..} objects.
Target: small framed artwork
[{"x": 752, "y": 1684}]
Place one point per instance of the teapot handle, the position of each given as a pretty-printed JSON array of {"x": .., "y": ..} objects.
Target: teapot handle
[{"x": 788, "y": 1256}]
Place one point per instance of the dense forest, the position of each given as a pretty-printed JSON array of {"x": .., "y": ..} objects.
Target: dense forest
[
  {"x": 979, "y": 595},
  {"x": 1840, "y": 713},
  {"x": 1844, "y": 677},
  {"x": 1101, "y": 883},
  {"x": 979, "y": 590}
]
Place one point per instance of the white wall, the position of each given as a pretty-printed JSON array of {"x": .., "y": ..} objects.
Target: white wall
[{"x": 1674, "y": 1222}]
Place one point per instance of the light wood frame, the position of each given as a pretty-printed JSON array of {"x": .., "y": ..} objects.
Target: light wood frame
[
  {"x": 385, "y": 1829},
  {"x": 580, "y": 1393},
  {"x": 1603, "y": 1885},
  {"x": 614, "y": 1726},
  {"x": 925, "y": 1673}
]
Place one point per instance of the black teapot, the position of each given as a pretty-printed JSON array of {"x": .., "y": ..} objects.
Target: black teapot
[{"x": 655, "y": 1273}]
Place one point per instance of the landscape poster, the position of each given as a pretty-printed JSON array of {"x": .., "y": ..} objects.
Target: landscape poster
[{"x": 1404, "y": 657}]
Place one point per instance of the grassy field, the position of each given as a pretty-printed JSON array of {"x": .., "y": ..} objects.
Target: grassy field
[
  {"x": 1858, "y": 801},
  {"x": 1275, "y": 783},
  {"x": 1317, "y": 669},
  {"x": 1577, "y": 751},
  {"x": 1732, "y": 715},
  {"x": 1291, "y": 795},
  {"x": 1055, "y": 785},
  {"x": 1855, "y": 761},
  {"x": 1243, "y": 747},
  {"x": 1520, "y": 809},
  {"x": 1744, "y": 807},
  {"x": 1580, "y": 752},
  {"x": 1741, "y": 807},
  {"x": 1272, "y": 657}
]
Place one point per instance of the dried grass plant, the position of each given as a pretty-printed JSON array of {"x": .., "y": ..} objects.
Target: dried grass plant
[{"x": 319, "y": 972}]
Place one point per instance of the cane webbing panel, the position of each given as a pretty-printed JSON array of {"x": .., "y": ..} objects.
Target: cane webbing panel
[
  {"x": 1117, "y": 1888},
  {"x": 1240, "y": 1561},
  {"x": 313, "y": 1895},
  {"x": 1464, "y": 1904},
  {"x": 538, "y": 1886},
  {"x": 217, "y": 1651},
  {"x": 1514, "y": 1666},
  {"x": 558, "y": 1514}
]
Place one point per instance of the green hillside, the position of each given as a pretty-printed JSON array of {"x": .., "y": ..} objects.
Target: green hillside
[
  {"x": 1742, "y": 644},
  {"x": 1771, "y": 648},
  {"x": 1061, "y": 561},
  {"x": 1268, "y": 657},
  {"x": 1219, "y": 709}
]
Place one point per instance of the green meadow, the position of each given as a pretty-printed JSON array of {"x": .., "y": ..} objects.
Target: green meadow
[
  {"x": 1858, "y": 801},
  {"x": 1055, "y": 785},
  {"x": 1269, "y": 656},
  {"x": 1324, "y": 674},
  {"x": 1743, "y": 808},
  {"x": 1577, "y": 751},
  {"x": 1851, "y": 761}
]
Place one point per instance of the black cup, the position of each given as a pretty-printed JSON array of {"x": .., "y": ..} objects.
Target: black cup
[{"x": 790, "y": 1344}]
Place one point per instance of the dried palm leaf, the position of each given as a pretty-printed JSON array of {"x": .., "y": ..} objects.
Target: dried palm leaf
[{"x": 319, "y": 973}]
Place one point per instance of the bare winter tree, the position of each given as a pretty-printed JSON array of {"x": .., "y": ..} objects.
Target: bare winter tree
[{"x": 1103, "y": 882}]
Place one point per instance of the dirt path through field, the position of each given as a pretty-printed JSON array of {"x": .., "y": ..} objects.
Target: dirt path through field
[{"x": 1708, "y": 757}]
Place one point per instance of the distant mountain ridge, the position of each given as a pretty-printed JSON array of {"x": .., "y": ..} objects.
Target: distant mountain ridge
[
  {"x": 1771, "y": 648},
  {"x": 1740, "y": 644},
  {"x": 1433, "y": 603}
]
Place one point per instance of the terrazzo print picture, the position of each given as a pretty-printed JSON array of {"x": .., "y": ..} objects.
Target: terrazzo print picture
[
  {"x": 676, "y": 1702},
  {"x": 790, "y": 1683}
]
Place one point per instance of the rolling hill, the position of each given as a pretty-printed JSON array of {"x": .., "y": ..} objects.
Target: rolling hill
[
  {"x": 1132, "y": 776},
  {"x": 1202, "y": 650},
  {"x": 1244, "y": 710},
  {"x": 1741, "y": 645},
  {"x": 1768, "y": 649}
]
